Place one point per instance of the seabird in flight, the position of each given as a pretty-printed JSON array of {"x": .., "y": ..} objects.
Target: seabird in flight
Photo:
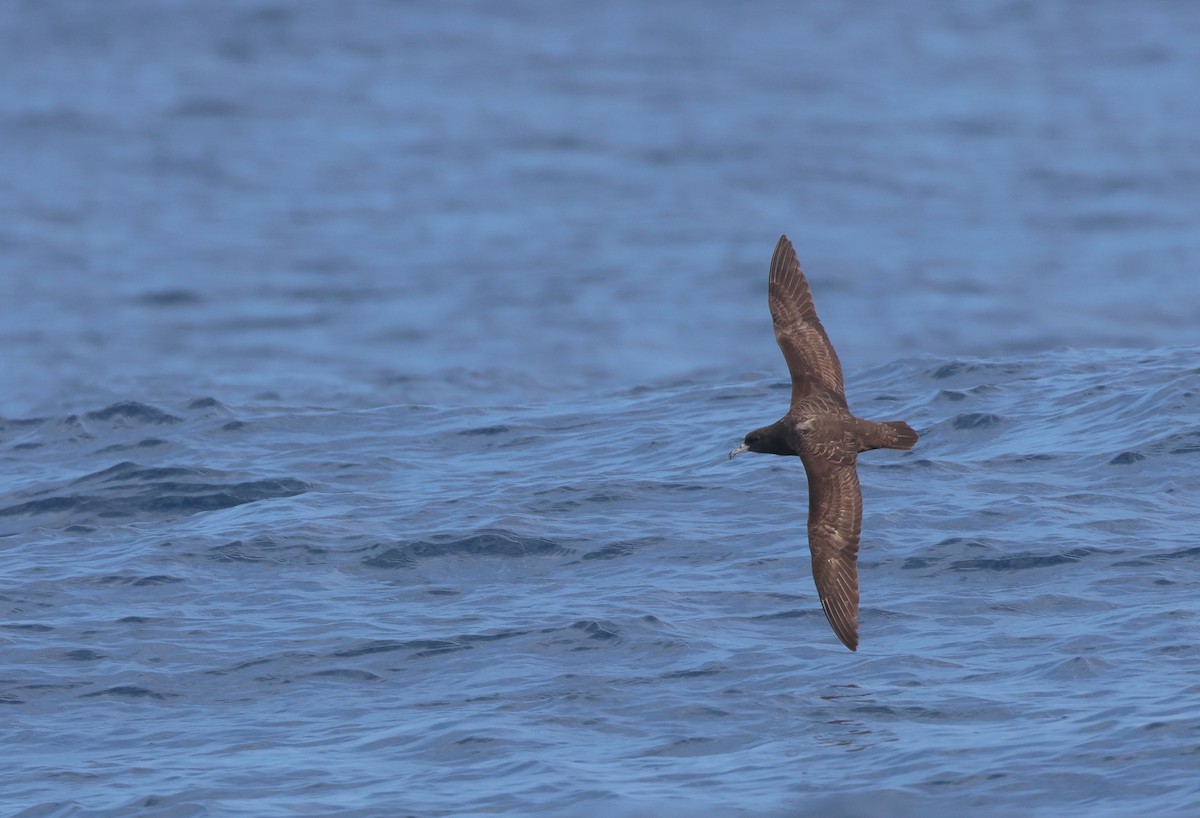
[{"x": 820, "y": 429}]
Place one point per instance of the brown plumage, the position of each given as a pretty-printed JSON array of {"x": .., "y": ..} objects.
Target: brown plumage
[{"x": 820, "y": 429}]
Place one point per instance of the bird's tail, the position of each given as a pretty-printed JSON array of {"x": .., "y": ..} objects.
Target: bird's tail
[
  {"x": 894, "y": 434},
  {"x": 903, "y": 435}
]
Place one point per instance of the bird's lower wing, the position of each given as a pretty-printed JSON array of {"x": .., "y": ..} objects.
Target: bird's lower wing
[{"x": 834, "y": 527}]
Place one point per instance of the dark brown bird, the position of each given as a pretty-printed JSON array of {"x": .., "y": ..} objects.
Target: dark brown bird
[{"x": 820, "y": 429}]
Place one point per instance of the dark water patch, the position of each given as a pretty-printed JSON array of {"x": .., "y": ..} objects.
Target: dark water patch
[
  {"x": 951, "y": 395},
  {"x": 1088, "y": 498},
  {"x": 115, "y": 471},
  {"x": 1125, "y": 458},
  {"x": 1190, "y": 553},
  {"x": 1023, "y": 458},
  {"x": 422, "y": 647},
  {"x": 603, "y": 497},
  {"x": 614, "y": 551},
  {"x": 233, "y": 426},
  {"x": 494, "y": 543},
  {"x": 241, "y": 666},
  {"x": 129, "y": 470},
  {"x": 1114, "y": 221},
  {"x": 281, "y": 322},
  {"x": 134, "y": 413},
  {"x": 979, "y": 127},
  {"x": 170, "y": 298},
  {"x": 491, "y": 637},
  {"x": 129, "y": 490},
  {"x": 266, "y": 548},
  {"x": 126, "y": 692},
  {"x": 1021, "y": 562},
  {"x": 1085, "y": 185},
  {"x": 518, "y": 442},
  {"x": 332, "y": 264},
  {"x": 204, "y": 404},
  {"x": 349, "y": 674},
  {"x": 569, "y": 498},
  {"x": 288, "y": 658},
  {"x": 24, "y": 424},
  {"x": 84, "y": 655},
  {"x": 486, "y": 431},
  {"x": 575, "y": 499},
  {"x": 28, "y": 627},
  {"x": 993, "y": 369},
  {"x": 423, "y": 654},
  {"x": 20, "y": 447},
  {"x": 907, "y": 463},
  {"x": 1184, "y": 442},
  {"x": 951, "y": 369},
  {"x": 55, "y": 687},
  {"x": 1176, "y": 443},
  {"x": 681, "y": 748},
  {"x": 208, "y": 108},
  {"x": 146, "y": 443},
  {"x": 695, "y": 673},
  {"x": 139, "y": 582},
  {"x": 791, "y": 613},
  {"x": 191, "y": 498},
  {"x": 958, "y": 545}
]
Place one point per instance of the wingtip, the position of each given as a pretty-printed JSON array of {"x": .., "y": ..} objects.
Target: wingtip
[
  {"x": 783, "y": 259},
  {"x": 844, "y": 627}
]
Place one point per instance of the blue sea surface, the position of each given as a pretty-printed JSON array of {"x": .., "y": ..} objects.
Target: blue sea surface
[{"x": 370, "y": 368}]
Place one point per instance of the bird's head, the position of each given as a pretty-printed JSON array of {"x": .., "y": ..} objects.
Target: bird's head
[{"x": 767, "y": 440}]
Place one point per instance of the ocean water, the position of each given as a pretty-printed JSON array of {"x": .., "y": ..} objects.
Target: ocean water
[{"x": 369, "y": 373}]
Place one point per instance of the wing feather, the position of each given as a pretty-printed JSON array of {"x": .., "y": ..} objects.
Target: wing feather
[
  {"x": 834, "y": 528},
  {"x": 810, "y": 357}
]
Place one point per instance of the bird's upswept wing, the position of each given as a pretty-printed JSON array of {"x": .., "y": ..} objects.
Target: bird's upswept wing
[
  {"x": 810, "y": 357},
  {"x": 834, "y": 528}
]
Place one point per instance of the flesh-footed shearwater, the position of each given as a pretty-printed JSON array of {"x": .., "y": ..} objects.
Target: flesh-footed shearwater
[{"x": 820, "y": 429}]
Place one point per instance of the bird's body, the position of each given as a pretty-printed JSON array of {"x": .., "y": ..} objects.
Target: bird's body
[{"x": 820, "y": 429}]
